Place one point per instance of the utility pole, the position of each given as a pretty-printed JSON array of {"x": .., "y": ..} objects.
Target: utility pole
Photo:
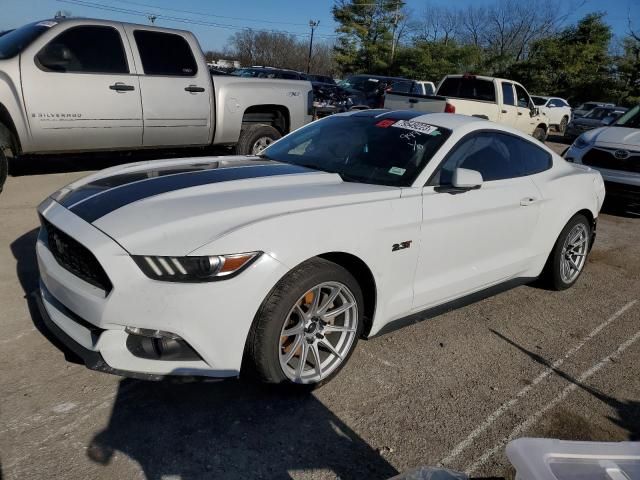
[
  {"x": 396, "y": 20},
  {"x": 313, "y": 24}
]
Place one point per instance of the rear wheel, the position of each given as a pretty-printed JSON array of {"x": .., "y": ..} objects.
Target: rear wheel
[
  {"x": 6, "y": 143},
  {"x": 563, "y": 125},
  {"x": 569, "y": 254},
  {"x": 308, "y": 327},
  {"x": 256, "y": 137}
]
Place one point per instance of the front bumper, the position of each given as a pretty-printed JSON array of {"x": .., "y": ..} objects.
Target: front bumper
[{"x": 212, "y": 318}]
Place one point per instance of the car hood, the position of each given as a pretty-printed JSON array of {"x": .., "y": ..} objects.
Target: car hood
[
  {"x": 616, "y": 137},
  {"x": 173, "y": 208}
]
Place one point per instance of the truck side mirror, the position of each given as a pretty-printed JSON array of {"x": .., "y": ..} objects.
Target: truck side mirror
[{"x": 467, "y": 179}]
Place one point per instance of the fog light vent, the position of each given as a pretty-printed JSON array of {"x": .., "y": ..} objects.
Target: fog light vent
[{"x": 159, "y": 345}]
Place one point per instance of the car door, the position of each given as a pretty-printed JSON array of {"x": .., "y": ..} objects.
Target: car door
[
  {"x": 474, "y": 239},
  {"x": 525, "y": 122},
  {"x": 508, "y": 111},
  {"x": 176, "y": 94},
  {"x": 80, "y": 90}
]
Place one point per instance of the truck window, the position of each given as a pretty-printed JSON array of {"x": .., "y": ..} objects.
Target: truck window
[
  {"x": 74, "y": 51},
  {"x": 165, "y": 54},
  {"x": 470, "y": 87},
  {"x": 523, "y": 97},
  {"x": 507, "y": 94}
]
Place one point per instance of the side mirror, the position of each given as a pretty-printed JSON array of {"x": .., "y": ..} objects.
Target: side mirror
[
  {"x": 467, "y": 179},
  {"x": 535, "y": 111},
  {"x": 551, "y": 106},
  {"x": 608, "y": 120}
]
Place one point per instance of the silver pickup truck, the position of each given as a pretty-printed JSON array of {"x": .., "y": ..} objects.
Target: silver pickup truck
[{"x": 82, "y": 85}]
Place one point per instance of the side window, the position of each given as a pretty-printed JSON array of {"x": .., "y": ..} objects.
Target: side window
[
  {"x": 507, "y": 94},
  {"x": 165, "y": 54},
  {"x": 85, "y": 49},
  {"x": 522, "y": 96},
  {"x": 497, "y": 156},
  {"x": 416, "y": 88}
]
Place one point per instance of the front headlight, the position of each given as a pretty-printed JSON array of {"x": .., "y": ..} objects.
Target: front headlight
[
  {"x": 194, "y": 269},
  {"x": 581, "y": 142}
]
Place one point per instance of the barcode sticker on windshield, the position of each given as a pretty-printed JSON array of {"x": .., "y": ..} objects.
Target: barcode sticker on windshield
[{"x": 416, "y": 126}]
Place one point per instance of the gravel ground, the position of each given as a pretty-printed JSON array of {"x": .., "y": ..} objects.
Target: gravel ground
[{"x": 451, "y": 390}]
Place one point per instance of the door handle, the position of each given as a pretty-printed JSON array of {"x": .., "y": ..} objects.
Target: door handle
[
  {"x": 519, "y": 113},
  {"x": 413, "y": 100},
  {"x": 525, "y": 202},
  {"x": 503, "y": 111},
  {"x": 121, "y": 87},
  {"x": 194, "y": 89}
]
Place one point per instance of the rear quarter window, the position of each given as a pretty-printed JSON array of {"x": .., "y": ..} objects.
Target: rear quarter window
[
  {"x": 165, "y": 54},
  {"x": 470, "y": 88}
]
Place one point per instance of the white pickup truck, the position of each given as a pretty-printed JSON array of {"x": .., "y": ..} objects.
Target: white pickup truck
[
  {"x": 82, "y": 85},
  {"x": 496, "y": 99}
]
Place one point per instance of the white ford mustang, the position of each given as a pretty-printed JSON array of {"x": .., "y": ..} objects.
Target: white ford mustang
[{"x": 346, "y": 228}]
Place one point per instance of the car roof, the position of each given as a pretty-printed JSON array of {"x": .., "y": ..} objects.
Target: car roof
[{"x": 380, "y": 77}]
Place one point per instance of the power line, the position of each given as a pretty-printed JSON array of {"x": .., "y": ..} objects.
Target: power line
[
  {"x": 189, "y": 21},
  {"x": 212, "y": 15}
]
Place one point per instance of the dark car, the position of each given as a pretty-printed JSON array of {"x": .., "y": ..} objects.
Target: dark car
[
  {"x": 321, "y": 79},
  {"x": 586, "y": 107},
  {"x": 269, "y": 72},
  {"x": 598, "y": 117},
  {"x": 375, "y": 86}
]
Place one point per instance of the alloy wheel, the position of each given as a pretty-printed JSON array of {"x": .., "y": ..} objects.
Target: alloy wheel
[
  {"x": 574, "y": 253},
  {"x": 318, "y": 333},
  {"x": 260, "y": 144}
]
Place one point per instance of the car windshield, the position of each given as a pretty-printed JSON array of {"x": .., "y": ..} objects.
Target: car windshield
[
  {"x": 539, "y": 101},
  {"x": 599, "y": 113},
  {"x": 587, "y": 106},
  {"x": 362, "y": 84},
  {"x": 631, "y": 119},
  {"x": 365, "y": 149},
  {"x": 14, "y": 42}
]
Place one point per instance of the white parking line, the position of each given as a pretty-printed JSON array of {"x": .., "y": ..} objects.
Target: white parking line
[
  {"x": 531, "y": 420},
  {"x": 491, "y": 419}
]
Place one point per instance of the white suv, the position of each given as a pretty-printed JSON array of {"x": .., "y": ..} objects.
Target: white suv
[
  {"x": 615, "y": 152},
  {"x": 557, "y": 110}
]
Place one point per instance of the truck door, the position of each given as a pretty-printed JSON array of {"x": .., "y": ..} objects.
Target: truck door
[
  {"x": 176, "y": 88},
  {"x": 508, "y": 110},
  {"x": 80, "y": 90},
  {"x": 526, "y": 123}
]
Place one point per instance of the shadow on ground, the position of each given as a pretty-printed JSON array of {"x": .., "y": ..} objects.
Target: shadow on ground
[
  {"x": 227, "y": 429},
  {"x": 628, "y": 411}
]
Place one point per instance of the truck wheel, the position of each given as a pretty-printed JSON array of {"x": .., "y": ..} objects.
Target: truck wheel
[
  {"x": 4, "y": 168},
  {"x": 255, "y": 138},
  {"x": 6, "y": 143},
  {"x": 563, "y": 125},
  {"x": 540, "y": 134}
]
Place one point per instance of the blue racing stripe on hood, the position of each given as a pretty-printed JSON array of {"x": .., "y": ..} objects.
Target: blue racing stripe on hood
[{"x": 106, "y": 201}]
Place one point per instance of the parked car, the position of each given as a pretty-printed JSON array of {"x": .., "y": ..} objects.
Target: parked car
[
  {"x": 374, "y": 87},
  {"x": 326, "y": 79},
  {"x": 278, "y": 264},
  {"x": 329, "y": 99},
  {"x": 149, "y": 87},
  {"x": 598, "y": 117},
  {"x": 615, "y": 152},
  {"x": 496, "y": 99},
  {"x": 556, "y": 109},
  {"x": 423, "y": 88},
  {"x": 586, "y": 107},
  {"x": 269, "y": 72}
]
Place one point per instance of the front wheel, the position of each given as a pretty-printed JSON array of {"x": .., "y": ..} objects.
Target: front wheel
[
  {"x": 4, "y": 168},
  {"x": 308, "y": 327},
  {"x": 569, "y": 254},
  {"x": 540, "y": 134},
  {"x": 562, "y": 128}
]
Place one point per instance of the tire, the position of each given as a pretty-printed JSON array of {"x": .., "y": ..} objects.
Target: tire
[
  {"x": 540, "y": 134},
  {"x": 6, "y": 144},
  {"x": 267, "y": 348},
  {"x": 252, "y": 136},
  {"x": 553, "y": 275},
  {"x": 562, "y": 128}
]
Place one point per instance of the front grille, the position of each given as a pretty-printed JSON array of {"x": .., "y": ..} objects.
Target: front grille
[
  {"x": 75, "y": 257},
  {"x": 606, "y": 159}
]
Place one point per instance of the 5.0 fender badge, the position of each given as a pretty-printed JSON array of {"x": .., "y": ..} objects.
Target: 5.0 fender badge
[{"x": 400, "y": 246}]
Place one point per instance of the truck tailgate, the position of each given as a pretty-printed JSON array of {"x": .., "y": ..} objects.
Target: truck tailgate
[{"x": 421, "y": 103}]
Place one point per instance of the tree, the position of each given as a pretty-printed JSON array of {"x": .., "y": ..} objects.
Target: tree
[{"x": 367, "y": 31}]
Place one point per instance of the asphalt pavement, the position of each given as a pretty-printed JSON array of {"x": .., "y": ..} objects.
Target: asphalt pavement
[{"x": 451, "y": 390}]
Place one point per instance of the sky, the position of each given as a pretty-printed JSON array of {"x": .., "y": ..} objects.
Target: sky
[{"x": 224, "y": 17}]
